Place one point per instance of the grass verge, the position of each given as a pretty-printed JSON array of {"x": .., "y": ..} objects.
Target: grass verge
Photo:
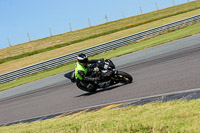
[
  {"x": 173, "y": 116},
  {"x": 187, "y": 31},
  {"x": 62, "y": 40}
]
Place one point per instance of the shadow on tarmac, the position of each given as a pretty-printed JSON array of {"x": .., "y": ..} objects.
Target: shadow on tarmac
[{"x": 100, "y": 90}]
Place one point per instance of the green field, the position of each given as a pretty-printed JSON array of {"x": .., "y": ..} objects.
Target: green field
[{"x": 170, "y": 117}]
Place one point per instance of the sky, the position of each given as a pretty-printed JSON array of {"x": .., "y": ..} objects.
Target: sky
[{"x": 18, "y": 18}]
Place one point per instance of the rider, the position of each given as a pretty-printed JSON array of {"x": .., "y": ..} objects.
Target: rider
[{"x": 83, "y": 71}]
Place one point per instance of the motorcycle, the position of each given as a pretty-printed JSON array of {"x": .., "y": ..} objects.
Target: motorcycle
[{"x": 106, "y": 70}]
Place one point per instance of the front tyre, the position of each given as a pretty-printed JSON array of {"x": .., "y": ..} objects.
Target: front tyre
[{"x": 124, "y": 77}]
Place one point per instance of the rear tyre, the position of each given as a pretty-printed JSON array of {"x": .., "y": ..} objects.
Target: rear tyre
[
  {"x": 86, "y": 87},
  {"x": 124, "y": 77}
]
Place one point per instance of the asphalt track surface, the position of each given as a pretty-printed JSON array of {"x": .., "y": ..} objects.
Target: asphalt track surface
[{"x": 170, "y": 72}]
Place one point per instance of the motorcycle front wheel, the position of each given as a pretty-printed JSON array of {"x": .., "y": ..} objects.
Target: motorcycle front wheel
[{"x": 124, "y": 77}]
